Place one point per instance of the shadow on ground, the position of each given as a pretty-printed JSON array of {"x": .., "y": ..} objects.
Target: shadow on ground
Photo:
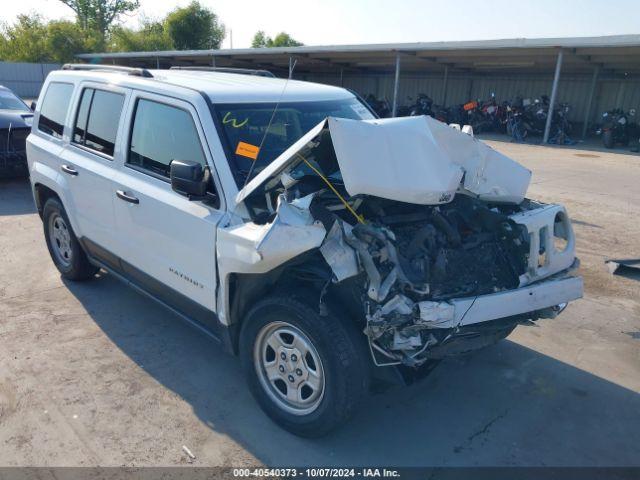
[
  {"x": 506, "y": 405},
  {"x": 628, "y": 272},
  {"x": 15, "y": 197}
]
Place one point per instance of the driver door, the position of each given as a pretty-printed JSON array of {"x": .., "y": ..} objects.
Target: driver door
[{"x": 166, "y": 242}]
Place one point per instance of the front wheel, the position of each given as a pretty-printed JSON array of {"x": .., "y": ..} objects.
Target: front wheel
[{"x": 307, "y": 371}]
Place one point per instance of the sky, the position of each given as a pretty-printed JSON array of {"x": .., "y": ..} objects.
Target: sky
[{"x": 335, "y": 22}]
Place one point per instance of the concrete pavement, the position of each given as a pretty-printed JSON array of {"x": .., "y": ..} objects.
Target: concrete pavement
[{"x": 96, "y": 374}]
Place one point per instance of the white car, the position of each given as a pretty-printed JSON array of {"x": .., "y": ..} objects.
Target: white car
[{"x": 324, "y": 247}]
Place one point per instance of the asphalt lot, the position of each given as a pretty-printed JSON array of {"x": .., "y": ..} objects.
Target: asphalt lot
[{"x": 96, "y": 374}]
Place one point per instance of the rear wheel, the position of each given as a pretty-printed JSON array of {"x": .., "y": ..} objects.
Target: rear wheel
[
  {"x": 307, "y": 371},
  {"x": 64, "y": 248}
]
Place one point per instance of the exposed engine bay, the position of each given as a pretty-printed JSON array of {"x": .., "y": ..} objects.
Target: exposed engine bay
[{"x": 425, "y": 273}]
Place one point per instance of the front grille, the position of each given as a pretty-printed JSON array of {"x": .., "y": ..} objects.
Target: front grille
[
  {"x": 13, "y": 140},
  {"x": 13, "y": 149}
]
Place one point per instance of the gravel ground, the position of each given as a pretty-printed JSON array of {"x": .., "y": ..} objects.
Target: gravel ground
[{"x": 95, "y": 374}]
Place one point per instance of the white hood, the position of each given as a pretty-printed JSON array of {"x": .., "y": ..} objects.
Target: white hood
[{"x": 412, "y": 159}]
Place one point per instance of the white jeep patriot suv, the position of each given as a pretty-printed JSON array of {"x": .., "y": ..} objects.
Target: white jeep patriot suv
[{"x": 323, "y": 246}]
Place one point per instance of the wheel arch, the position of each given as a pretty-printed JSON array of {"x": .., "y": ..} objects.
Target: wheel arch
[
  {"x": 306, "y": 277},
  {"x": 42, "y": 193}
]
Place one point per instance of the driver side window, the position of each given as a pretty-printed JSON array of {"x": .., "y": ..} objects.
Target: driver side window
[{"x": 162, "y": 133}]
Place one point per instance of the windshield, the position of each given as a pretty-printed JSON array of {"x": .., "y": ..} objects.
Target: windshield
[
  {"x": 8, "y": 101},
  {"x": 244, "y": 126}
]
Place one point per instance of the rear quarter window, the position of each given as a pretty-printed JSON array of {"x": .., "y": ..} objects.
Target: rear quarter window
[{"x": 55, "y": 105}]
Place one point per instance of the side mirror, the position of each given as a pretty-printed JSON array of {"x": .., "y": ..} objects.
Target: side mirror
[
  {"x": 33, "y": 106},
  {"x": 190, "y": 179}
]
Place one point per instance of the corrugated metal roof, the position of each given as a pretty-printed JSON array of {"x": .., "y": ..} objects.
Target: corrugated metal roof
[
  {"x": 619, "y": 54},
  {"x": 512, "y": 43}
]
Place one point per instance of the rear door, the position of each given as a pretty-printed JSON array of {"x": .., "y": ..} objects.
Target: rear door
[
  {"x": 166, "y": 242},
  {"x": 48, "y": 136},
  {"x": 88, "y": 163}
]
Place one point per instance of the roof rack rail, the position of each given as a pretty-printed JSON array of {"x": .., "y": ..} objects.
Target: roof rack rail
[
  {"x": 240, "y": 71},
  {"x": 138, "y": 72}
]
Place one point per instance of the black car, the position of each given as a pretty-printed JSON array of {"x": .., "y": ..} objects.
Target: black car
[{"x": 15, "y": 126}]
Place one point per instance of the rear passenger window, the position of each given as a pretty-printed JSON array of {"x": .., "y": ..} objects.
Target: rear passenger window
[
  {"x": 54, "y": 108},
  {"x": 97, "y": 120},
  {"x": 162, "y": 133}
]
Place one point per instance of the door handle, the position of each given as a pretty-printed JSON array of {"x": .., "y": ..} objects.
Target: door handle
[
  {"x": 69, "y": 170},
  {"x": 127, "y": 198}
]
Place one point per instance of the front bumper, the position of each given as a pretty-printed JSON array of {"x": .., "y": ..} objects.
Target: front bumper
[
  {"x": 13, "y": 163},
  {"x": 536, "y": 300},
  {"x": 532, "y": 298},
  {"x": 479, "y": 322}
]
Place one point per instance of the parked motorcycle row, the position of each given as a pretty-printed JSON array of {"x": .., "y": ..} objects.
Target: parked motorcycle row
[
  {"x": 526, "y": 117},
  {"x": 520, "y": 118}
]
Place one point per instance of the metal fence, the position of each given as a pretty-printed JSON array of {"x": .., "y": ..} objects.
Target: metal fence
[{"x": 25, "y": 79}]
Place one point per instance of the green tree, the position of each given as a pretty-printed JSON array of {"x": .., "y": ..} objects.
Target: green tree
[
  {"x": 98, "y": 15},
  {"x": 194, "y": 27},
  {"x": 283, "y": 39},
  {"x": 260, "y": 40},
  {"x": 24, "y": 41},
  {"x": 151, "y": 36},
  {"x": 63, "y": 40},
  {"x": 30, "y": 39}
]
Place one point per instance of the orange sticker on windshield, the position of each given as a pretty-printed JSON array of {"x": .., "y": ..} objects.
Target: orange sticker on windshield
[{"x": 247, "y": 150}]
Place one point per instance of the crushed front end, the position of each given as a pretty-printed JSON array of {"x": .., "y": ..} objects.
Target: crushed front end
[
  {"x": 442, "y": 280},
  {"x": 423, "y": 233}
]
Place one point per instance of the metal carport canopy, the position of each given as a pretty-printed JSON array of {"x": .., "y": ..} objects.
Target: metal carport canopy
[
  {"x": 617, "y": 55},
  {"x": 612, "y": 54}
]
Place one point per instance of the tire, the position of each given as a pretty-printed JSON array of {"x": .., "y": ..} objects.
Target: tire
[
  {"x": 607, "y": 138},
  {"x": 336, "y": 363},
  {"x": 64, "y": 248}
]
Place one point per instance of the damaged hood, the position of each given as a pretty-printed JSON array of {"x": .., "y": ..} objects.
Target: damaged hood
[{"x": 415, "y": 160}]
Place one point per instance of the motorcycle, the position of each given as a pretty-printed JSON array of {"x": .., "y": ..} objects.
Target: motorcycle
[
  {"x": 494, "y": 114},
  {"x": 474, "y": 116},
  {"x": 381, "y": 107},
  {"x": 525, "y": 117},
  {"x": 456, "y": 114},
  {"x": 561, "y": 126},
  {"x": 440, "y": 113},
  {"x": 618, "y": 127},
  {"x": 515, "y": 125},
  {"x": 485, "y": 117},
  {"x": 423, "y": 106},
  {"x": 535, "y": 114}
]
